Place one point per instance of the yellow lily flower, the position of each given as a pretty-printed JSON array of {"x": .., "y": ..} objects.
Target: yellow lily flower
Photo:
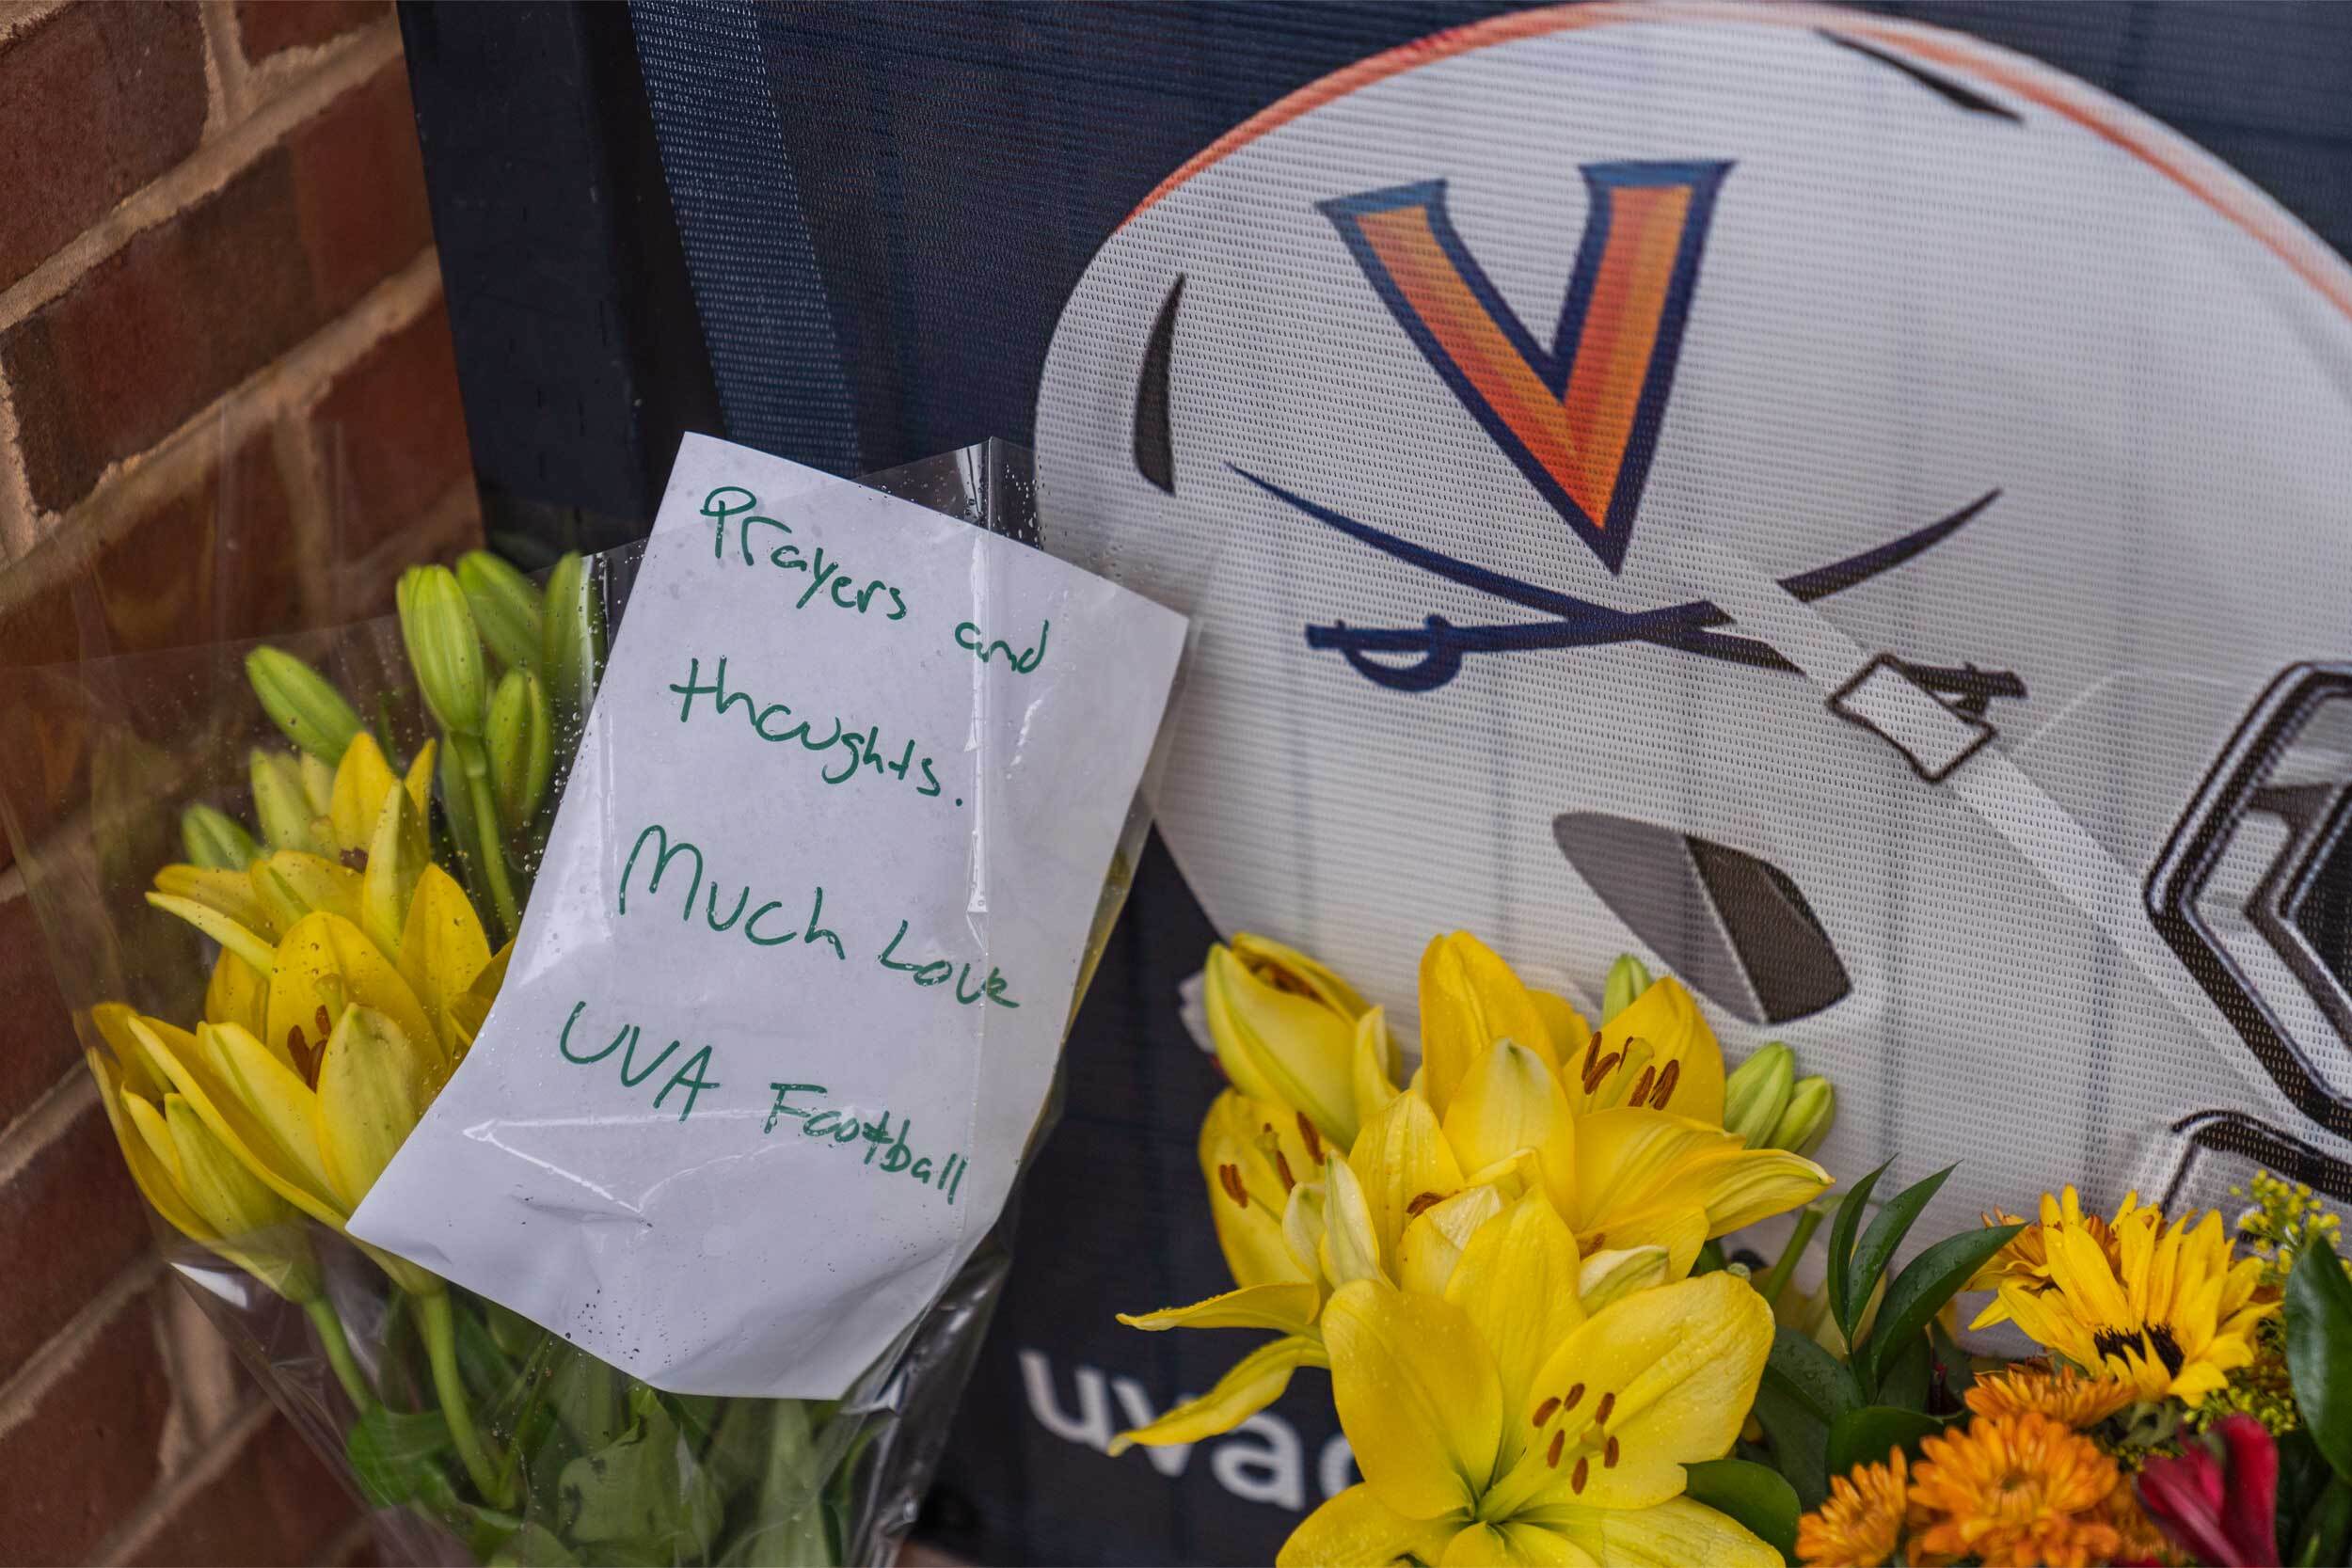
[
  {"x": 1657, "y": 1052},
  {"x": 1490, "y": 1119},
  {"x": 1499, "y": 1423},
  {"x": 1284, "y": 1028},
  {"x": 183, "y": 1171},
  {"x": 362, "y": 780}
]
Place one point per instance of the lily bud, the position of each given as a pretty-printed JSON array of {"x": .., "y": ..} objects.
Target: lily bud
[
  {"x": 216, "y": 839},
  {"x": 397, "y": 856},
  {"x": 1812, "y": 1107},
  {"x": 573, "y": 638},
  {"x": 506, "y": 606},
  {"x": 280, "y": 803},
  {"x": 523, "y": 748},
  {"x": 1628, "y": 978},
  {"x": 302, "y": 702},
  {"x": 444, "y": 648},
  {"x": 1758, "y": 1092},
  {"x": 1284, "y": 1028}
]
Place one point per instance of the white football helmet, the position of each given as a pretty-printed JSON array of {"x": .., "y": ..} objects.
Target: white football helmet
[{"x": 1837, "y": 507}]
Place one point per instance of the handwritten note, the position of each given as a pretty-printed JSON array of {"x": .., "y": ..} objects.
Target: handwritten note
[{"x": 787, "y": 999}]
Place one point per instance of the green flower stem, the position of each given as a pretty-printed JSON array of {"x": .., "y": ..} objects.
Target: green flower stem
[
  {"x": 338, "y": 1346},
  {"x": 1807, "y": 1222},
  {"x": 491, "y": 850},
  {"x": 440, "y": 1345}
]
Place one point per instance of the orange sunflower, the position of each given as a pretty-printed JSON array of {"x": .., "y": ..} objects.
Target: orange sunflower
[{"x": 2014, "y": 1492}]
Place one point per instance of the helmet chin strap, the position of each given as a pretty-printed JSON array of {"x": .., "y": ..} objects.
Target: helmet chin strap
[{"x": 1950, "y": 750}]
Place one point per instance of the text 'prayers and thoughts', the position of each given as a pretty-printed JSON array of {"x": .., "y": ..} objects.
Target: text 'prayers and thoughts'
[{"x": 788, "y": 996}]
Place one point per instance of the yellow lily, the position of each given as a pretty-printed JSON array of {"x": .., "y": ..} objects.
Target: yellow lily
[
  {"x": 183, "y": 1171},
  {"x": 1501, "y": 1423},
  {"x": 1284, "y": 1027},
  {"x": 1251, "y": 1152},
  {"x": 1658, "y": 1052}
]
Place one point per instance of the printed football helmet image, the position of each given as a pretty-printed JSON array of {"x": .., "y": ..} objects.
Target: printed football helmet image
[{"x": 1839, "y": 509}]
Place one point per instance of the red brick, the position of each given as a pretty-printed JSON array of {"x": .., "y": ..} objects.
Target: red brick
[
  {"x": 38, "y": 1044},
  {"x": 393, "y": 433},
  {"x": 275, "y": 1502},
  {"x": 359, "y": 188},
  {"x": 81, "y": 1457},
  {"x": 70, "y": 1220},
  {"x": 212, "y": 562},
  {"x": 43, "y": 739},
  {"x": 190, "y": 308},
  {"x": 179, "y": 315},
  {"x": 95, "y": 102},
  {"x": 268, "y": 27}
]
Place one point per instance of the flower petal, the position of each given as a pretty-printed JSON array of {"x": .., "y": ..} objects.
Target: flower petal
[
  {"x": 1401, "y": 1158},
  {"x": 1673, "y": 1534},
  {"x": 237, "y": 937},
  {"x": 1663, "y": 1029},
  {"x": 1286, "y": 1308},
  {"x": 1470, "y": 999},
  {"x": 148, "y": 1173},
  {"x": 1349, "y": 1249},
  {"x": 374, "y": 1084},
  {"x": 228, "y": 892},
  {"x": 326, "y": 964},
  {"x": 1517, "y": 1282},
  {"x": 362, "y": 779},
  {"x": 1416, "y": 1395},
  {"x": 256, "y": 1105},
  {"x": 1254, "y": 1382},
  {"x": 1569, "y": 1032},
  {"x": 237, "y": 994},
  {"x": 1432, "y": 1243},
  {"x": 443, "y": 950},
  {"x": 1607, "y": 1277},
  {"x": 1667, "y": 1378},
  {"x": 1281, "y": 1045},
  {"x": 1355, "y": 1528},
  {"x": 1512, "y": 1543},
  {"x": 1509, "y": 1100},
  {"x": 1635, "y": 1169}
]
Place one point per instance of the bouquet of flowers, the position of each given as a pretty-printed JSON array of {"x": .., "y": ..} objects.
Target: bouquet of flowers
[
  {"x": 268, "y": 1012},
  {"x": 1546, "y": 1345}
]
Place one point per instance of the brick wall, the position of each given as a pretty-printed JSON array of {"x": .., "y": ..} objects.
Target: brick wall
[{"x": 228, "y": 405}]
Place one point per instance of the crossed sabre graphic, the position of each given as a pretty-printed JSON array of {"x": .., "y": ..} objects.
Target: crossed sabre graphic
[{"x": 1575, "y": 623}]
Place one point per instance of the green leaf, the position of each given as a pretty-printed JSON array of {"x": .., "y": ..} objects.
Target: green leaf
[
  {"x": 1909, "y": 1374},
  {"x": 391, "y": 1452},
  {"x": 1921, "y": 1290},
  {"x": 1868, "y": 1435},
  {"x": 644, "y": 1493},
  {"x": 1755, "y": 1495},
  {"x": 2330, "y": 1523},
  {"x": 1800, "y": 1441},
  {"x": 1841, "y": 1235},
  {"x": 1958, "y": 1374},
  {"x": 534, "y": 1545},
  {"x": 1888, "y": 1228},
  {"x": 2319, "y": 1350},
  {"x": 1811, "y": 1375}
]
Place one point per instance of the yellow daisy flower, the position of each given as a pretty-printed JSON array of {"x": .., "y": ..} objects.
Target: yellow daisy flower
[
  {"x": 2019, "y": 1490},
  {"x": 1862, "y": 1523},
  {"x": 2169, "y": 1311},
  {"x": 2064, "y": 1395}
]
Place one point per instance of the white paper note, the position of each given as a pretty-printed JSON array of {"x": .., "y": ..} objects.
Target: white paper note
[{"x": 788, "y": 996}]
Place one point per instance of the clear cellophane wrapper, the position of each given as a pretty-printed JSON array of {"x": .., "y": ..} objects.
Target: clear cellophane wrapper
[{"x": 98, "y": 759}]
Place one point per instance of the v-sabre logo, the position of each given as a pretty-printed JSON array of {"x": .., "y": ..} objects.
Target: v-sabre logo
[{"x": 1580, "y": 419}]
